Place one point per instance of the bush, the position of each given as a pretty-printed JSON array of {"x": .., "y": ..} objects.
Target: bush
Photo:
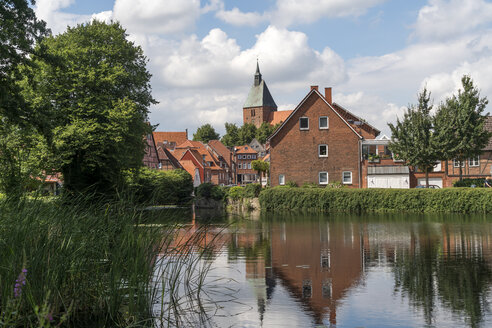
[
  {"x": 252, "y": 190},
  {"x": 160, "y": 187},
  {"x": 463, "y": 200},
  {"x": 469, "y": 182},
  {"x": 291, "y": 184},
  {"x": 236, "y": 193},
  {"x": 210, "y": 191}
]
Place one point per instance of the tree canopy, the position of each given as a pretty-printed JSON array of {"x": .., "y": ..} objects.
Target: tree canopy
[
  {"x": 231, "y": 137},
  {"x": 460, "y": 124},
  {"x": 205, "y": 133},
  {"x": 92, "y": 103},
  {"x": 413, "y": 137},
  {"x": 246, "y": 134}
]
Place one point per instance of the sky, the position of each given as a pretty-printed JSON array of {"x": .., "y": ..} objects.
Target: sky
[{"x": 375, "y": 54}]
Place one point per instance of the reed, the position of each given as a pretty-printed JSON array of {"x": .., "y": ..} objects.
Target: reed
[{"x": 93, "y": 263}]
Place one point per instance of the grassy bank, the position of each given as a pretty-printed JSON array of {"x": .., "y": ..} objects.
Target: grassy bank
[
  {"x": 451, "y": 200},
  {"x": 90, "y": 264}
]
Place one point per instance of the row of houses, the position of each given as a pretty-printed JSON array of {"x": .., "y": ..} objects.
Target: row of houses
[{"x": 319, "y": 142}]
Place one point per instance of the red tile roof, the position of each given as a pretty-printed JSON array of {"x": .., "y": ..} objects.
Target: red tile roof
[
  {"x": 189, "y": 166},
  {"x": 165, "y": 154},
  {"x": 221, "y": 149},
  {"x": 246, "y": 149},
  {"x": 177, "y": 137},
  {"x": 278, "y": 116}
]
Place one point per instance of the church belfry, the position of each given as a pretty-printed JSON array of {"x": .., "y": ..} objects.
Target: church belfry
[{"x": 260, "y": 104}]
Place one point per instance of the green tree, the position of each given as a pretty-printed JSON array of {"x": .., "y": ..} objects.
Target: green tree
[
  {"x": 231, "y": 137},
  {"x": 19, "y": 33},
  {"x": 459, "y": 124},
  {"x": 260, "y": 167},
  {"x": 205, "y": 133},
  {"x": 92, "y": 104},
  {"x": 264, "y": 131},
  {"x": 413, "y": 137},
  {"x": 246, "y": 133}
]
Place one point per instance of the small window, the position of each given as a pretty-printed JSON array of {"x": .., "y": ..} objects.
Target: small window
[
  {"x": 281, "y": 179},
  {"x": 240, "y": 166},
  {"x": 457, "y": 163},
  {"x": 323, "y": 178},
  {"x": 249, "y": 166},
  {"x": 347, "y": 177},
  {"x": 249, "y": 157},
  {"x": 475, "y": 161},
  {"x": 304, "y": 123},
  {"x": 323, "y": 150},
  {"x": 323, "y": 122}
]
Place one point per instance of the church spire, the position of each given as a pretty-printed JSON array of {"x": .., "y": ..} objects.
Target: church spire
[{"x": 257, "y": 74}]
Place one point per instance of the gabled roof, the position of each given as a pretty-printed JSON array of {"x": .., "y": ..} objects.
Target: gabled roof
[
  {"x": 278, "y": 116},
  {"x": 165, "y": 154},
  {"x": 189, "y": 167},
  {"x": 300, "y": 105},
  {"x": 177, "y": 137},
  {"x": 222, "y": 150},
  {"x": 351, "y": 116},
  {"x": 488, "y": 127}
]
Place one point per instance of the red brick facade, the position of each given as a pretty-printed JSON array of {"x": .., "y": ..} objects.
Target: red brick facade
[
  {"x": 244, "y": 155},
  {"x": 294, "y": 152}
]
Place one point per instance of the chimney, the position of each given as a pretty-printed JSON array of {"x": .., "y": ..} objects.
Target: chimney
[
  {"x": 186, "y": 134},
  {"x": 328, "y": 95},
  {"x": 315, "y": 87}
]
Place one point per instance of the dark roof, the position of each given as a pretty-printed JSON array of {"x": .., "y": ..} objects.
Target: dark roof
[
  {"x": 488, "y": 127},
  {"x": 259, "y": 95},
  {"x": 165, "y": 154}
]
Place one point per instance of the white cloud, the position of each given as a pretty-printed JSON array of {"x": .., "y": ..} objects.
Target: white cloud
[
  {"x": 447, "y": 19},
  {"x": 289, "y": 12},
  {"x": 57, "y": 21},
  {"x": 157, "y": 16},
  {"x": 239, "y": 18}
]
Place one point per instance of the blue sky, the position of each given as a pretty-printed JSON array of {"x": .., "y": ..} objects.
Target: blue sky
[{"x": 376, "y": 54}]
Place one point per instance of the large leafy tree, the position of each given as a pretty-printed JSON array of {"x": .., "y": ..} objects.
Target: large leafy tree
[
  {"x": 264, "y": 131},
  {"x": 205, "y": 133},
  {"x": 459, "y": 124},
  {"x": 92, "y": 104},
  {"x": 246, "y": 134},
  {"x": 413, "y": 138},
  {"x": 20, "y": 31},
  {"x": 231, "y": 137}
]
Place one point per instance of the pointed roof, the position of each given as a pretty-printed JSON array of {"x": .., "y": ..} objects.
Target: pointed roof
[{"x": 259, "y": 95}]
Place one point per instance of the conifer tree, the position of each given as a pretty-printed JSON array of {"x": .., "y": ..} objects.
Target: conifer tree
[
  {"x": 413, "y": 137},
  {"x": 459, "y": 123}
]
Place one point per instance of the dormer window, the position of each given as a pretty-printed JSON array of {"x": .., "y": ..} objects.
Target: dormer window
[{"x": 304, "y": 123}]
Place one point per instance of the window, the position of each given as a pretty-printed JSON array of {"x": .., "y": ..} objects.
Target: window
[
  {"x": 457, "y": 163},
  {"x": 249, "y": 157},
  {"x": 253, "y": 156},
  {"x": 240, "y": 166},
  {"x": 323, "y": 122},
  {"x": 238, "y": 156},
  {"x": 323, "y": 178},
  {"x": 281, "y": 179},
  {"x": 252, "y": 112},
  {"x": 304, "y": 123},
  {"x": 249, "y": 166},
  {"x": 347, "y": 177},
  {"x": 475, "y": 161},
  {"x": 323, "y": 150}
]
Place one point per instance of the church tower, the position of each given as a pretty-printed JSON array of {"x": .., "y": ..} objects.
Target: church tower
[{"x": 260, "y": 104}]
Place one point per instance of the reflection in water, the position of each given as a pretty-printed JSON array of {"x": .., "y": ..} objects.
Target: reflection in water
[{"x": 347, "y": 271}]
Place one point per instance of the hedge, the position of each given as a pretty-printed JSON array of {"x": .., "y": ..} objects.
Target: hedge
[{"x": 451, "y": 200}]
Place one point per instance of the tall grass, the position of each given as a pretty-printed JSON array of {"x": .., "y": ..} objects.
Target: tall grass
[{"x": 94, "y": 264}]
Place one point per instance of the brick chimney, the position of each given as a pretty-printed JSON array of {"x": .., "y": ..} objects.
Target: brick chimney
[
  {"x": 315, "y": 87},
  {"x": 328, "y": 95}
]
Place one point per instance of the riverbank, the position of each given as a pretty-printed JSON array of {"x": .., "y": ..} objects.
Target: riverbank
[{"x": 450, "y": 200}]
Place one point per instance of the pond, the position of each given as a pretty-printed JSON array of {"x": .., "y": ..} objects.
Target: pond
[{"x": 301, "y": 270}]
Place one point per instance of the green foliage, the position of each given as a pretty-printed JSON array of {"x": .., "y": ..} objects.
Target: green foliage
[
  {"x": 456, "y": 200},
  {"x": 205, "y": 133},
  {"x": 459, "y": 124},
  {"x": 236, "y": 193},
  {"x": 479, "y": 183},
  {"x": 19, "y": 32},
  {"x": 291, "y": 184},
  {"x": 160, "y": 187},
  {"x": 246, "y": 134},
  {"x": 413, "y": 137},
  {"x": 91, "y": 104},
  {"x": 264, "y": 131},
  {"x": 210, "y": 191},
  {"x": 231, "y": 138},
  {"x": 252, "y": 190}
]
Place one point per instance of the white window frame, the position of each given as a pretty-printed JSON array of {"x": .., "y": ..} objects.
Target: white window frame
[
  {"x": 319, "y": 150},
  {"x": 240, "y": 166},
  {"x": 327, "y": 123},
  {"x": 281, "y": 179},
  {"x": 472, "y": 163},
  {"x": 319, "y": 178},
  {"x": 456, "y": 163},
  {"x": 343, "y": 177},
  {"x": 249, "y": 166},
  {"x": 301, "y": 128}
]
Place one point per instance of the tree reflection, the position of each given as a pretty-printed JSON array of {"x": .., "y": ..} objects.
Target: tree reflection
[{"x": 451, "y": 271}]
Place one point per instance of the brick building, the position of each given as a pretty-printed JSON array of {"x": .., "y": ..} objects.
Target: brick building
[
  {"x": 226, "y": 160},
  {"x": 244, "y": 155},
  {"x": 151, "y": 157},
  {"x": 320, "y": 142}
]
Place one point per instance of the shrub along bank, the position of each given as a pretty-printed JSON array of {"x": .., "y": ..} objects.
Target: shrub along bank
[{"x": 452, "y": 200}]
